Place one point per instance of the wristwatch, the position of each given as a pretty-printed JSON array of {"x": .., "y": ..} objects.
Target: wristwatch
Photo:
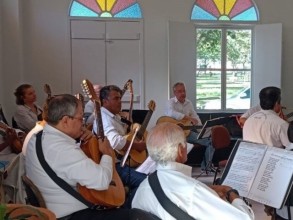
[{"x": 229, "y": 192}]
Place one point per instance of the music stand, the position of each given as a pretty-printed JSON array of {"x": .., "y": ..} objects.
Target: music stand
[{"x": 206, "y": 129}]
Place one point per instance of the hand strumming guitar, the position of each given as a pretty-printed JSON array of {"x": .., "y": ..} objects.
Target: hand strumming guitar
[{"x": 193, "y": 121}]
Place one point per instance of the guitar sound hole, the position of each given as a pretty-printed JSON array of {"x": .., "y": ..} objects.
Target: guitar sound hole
[{"x": 112, "y": 183}]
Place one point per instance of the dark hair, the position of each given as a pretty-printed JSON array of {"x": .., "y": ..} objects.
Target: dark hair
[
  {"x": 60, "y": 106},
  {"x": 290, "y": 132},
  {"x": 19, "y": 93},
  {"x": 269, "y": 96},
  {"x": 105, "y": 91}
]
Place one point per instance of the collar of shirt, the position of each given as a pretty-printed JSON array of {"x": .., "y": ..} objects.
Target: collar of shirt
[
  {"x": 182, "y": 168},
  {"x": 50, "y": 129},
  {"x": 116, "y": 117},
  {"x": 177, "y": 101}
]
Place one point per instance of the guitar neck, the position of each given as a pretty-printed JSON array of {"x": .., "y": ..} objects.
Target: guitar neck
[
  {"x": 189, "y": 127},
  {"x": 144, "y": 125},
  {"x": 99, "y": 122}
]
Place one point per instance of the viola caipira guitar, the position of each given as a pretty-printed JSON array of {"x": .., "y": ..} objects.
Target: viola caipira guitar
[{"x": 114, "y": 196}]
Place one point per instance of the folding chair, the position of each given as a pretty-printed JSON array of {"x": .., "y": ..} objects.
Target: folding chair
[{"x": 221, "y": 142}]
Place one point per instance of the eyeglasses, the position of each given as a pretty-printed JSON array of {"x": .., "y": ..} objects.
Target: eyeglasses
[
  {"x": 78, "y": 118},
  {"x": 72, "y": 117}
]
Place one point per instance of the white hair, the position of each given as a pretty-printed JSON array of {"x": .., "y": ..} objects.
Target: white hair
[{"x": 163, "y": 141}]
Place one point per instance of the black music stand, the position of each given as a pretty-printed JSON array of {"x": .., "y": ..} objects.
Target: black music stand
[
  {"x": 206, "y": 133},
  {"x": 206, "y": 129}
]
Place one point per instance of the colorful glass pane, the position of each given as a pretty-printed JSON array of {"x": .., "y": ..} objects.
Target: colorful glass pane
[
  {"x": 105, "y": 8},
  {"x": 229, "y": 10}
]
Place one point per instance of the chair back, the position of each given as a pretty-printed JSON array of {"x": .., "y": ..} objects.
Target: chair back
[
  {"x": 34, "y": 196},
  {"x": 220, "y": 137}
]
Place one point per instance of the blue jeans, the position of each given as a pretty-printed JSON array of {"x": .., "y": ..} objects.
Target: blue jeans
[
  {"x": 129, "y": 176},
  {"x": 192, "y": 139}
]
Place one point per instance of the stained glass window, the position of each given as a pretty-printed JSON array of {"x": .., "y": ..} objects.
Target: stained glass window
[
  {"x": 224, "y": 10},
  {"x": 105, "y": 8}
]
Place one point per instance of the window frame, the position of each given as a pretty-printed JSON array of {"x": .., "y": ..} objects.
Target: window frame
[{"x": 223, "y": 69}]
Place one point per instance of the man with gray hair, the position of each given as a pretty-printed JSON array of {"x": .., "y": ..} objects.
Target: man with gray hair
[
  {"x": 68, "y": 161},
  {"x": 181, "y": 109},
  {"x": 167, "y": 147}
]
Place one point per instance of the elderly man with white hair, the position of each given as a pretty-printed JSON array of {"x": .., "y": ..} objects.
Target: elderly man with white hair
[{"x": 166, "y": 145}]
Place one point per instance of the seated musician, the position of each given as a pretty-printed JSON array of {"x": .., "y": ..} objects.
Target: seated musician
[
  {"x": 267, "y": 127},
  {"x": 181, "y": 109},
  {"x": 167, "y": 147},
  {"x": 68, "y": 161},
  {"x": 115, "y": 131},
  {"x": 27, "y": 113}
]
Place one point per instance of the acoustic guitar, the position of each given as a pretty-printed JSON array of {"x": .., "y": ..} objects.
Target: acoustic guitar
[
  {"x": 136, "y": 157},
  {"x": 114, "y": 196},
  {"x": 16, "y": 145},
  {"x": 184, "y": 124}
]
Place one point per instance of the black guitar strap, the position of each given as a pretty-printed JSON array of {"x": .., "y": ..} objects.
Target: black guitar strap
[
  {"x": 167, "y": 204},
  {"x": 60, "y": 182}
]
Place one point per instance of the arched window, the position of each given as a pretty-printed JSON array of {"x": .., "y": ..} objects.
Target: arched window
[
  {"x": 224, "y": 53},
  {"x": 225, "y": 10},
  {"x": 106, "y": 9}
]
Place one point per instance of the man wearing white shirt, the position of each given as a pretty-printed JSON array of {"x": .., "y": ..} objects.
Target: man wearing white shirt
[
  {"x": 167, "y": 147},
  {"x": 266, "y": 126},
  {"x": 181, "y": 109},
  {"x": 68, "y": 161}
]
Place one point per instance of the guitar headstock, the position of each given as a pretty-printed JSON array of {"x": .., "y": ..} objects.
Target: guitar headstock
[
  {"x": 47, "y": 90},
  {"x": 89, "y": 90},
  {"x": 127, "y": 86},
  {"x": 152, "y": 105}
]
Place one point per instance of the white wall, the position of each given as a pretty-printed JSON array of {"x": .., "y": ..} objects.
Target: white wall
[{"x": 36, "y": 46}]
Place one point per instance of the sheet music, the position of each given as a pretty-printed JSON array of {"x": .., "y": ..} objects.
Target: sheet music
[
  {"x": 244, "y": 167},
  {"x": 147, "y": 167},
  {"x": 261, "y": 173}
]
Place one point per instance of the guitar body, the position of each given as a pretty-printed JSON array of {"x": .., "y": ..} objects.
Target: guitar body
[
  {"x": 136, "y": 157},
  {"x": 181, "y": 123},
  {"x": 114, "y": 196}
]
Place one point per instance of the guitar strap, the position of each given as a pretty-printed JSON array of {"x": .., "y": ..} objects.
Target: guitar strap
[
  {"x": 167, "y": 204},
  {"x": 60, "y": 182}
]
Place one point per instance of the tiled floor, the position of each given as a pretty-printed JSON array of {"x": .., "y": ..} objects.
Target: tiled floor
[{"x": 208, "y": 179}]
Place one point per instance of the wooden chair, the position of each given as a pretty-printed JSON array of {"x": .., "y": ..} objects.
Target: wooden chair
[
  {"x": 34, "y": 196},
  {"x": 221, "y": 142}
]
